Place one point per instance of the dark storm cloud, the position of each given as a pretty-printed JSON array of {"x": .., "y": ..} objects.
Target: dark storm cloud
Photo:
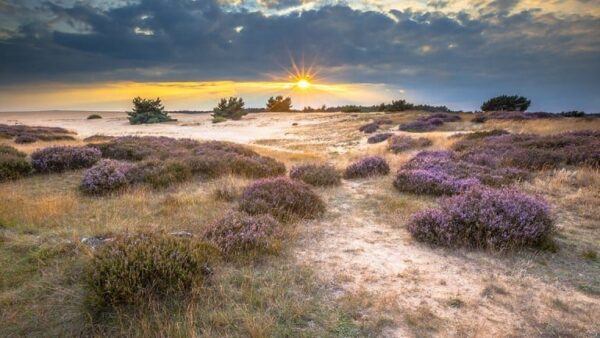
[{"x": 459, "y": 58}]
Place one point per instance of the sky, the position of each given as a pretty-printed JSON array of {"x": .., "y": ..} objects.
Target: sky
[{"x": 99, "y": 54}]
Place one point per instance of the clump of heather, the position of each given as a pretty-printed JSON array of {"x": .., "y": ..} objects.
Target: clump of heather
[
  {"x": 281, "y": 197},
  {"x": 485, "y": 219},
  {"x": 25, "y": 138},
  {"x": 105, "y": 177},
  {"x": 519, "y": 115},
  {"x": 383, "y": 120},
  {"x": 133, "y": 269},
  {"x": 534, "y": 152},
  {"x": 13, "y": 163},
  {"x": 59, "y": 159},
  {"x": 441, "y": 116},
  {"x": 137, "y": 148},
  {"x": 378, "y": 138},
  {"x": 417, "y": 126},
  {"x": 444, "y": 173},
  {"x": 366, "y": 167},
  {"x": 400, "y": 143},
  {"x": 159, "y": 174},
  {"x": 369, "y": 128},
  {"x": 239, "y": 233},
  {"x": 315, "y": 174}
]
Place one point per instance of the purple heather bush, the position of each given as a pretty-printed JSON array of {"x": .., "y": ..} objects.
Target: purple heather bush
[
  {"x": 105, "y": 177},
  {"x": 417, "y": 126},
  {"x": 383, "y": 120},
  {"x": 400, "y": 143},
  {"x": 25, "y": 138},
  {"x": 366, "y": 167},
  {"x": 534, "y": 152},
  {"x": 378, "y": 138},
  {"x": 159, "y": 174},
  {"x": 369, "y": 128},
  {"x": 315, "y": 174},
  {"x": 239, "y": 233},
  {"x": 59, "y": 159},
  {"x": 13, "y": 163},
  {"x": 444, "y": 173},
  {"x": 281, "y": 197},
  {"x": 33, "y": 132},
  {"x": 441, "y": 116},
  {"x": 485, "y": 219}
]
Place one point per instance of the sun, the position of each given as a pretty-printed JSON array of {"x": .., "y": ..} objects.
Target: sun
[{"x": 303, "y": 84}]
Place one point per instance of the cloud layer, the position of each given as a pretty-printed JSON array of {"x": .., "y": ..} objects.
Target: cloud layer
[{"x": 437, "y": 51}]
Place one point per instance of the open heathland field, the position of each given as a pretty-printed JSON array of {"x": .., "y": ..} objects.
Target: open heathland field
[{"x": 407, "y": 224}]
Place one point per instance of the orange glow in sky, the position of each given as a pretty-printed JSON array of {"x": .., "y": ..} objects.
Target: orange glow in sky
[{"x": 187, "y": 95}]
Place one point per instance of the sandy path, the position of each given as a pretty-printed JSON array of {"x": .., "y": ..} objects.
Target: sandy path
[
  {"x": 426, "y": 291},
  {"x": 197, "y": 126}
]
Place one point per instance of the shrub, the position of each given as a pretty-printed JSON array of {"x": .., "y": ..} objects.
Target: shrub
[
  {"x": 443, "y": 172},
  {"x": 479, "y": 118},
  {"x": 281, "y": 197},
  {"x": 367, "y": 166},
  {"x": 94, "y": 117},
  {"x": 279, "y": 104},
  {"x": 378, "y": 138},
  {"x": 484, "y": 134},
  {"x": 137, "y": 148},
  {"x": 159, "y": 174},
  {"x": 369, "y": 128},
  {"x": 417, "y": 126},
  {"x": 400, "y": 143},
  {"x": 148, "y": 111},
  {"x": 535, "y": 152},
  {"x": 383, "y": 120},
  {"x": 317, "y": 175},
  {"x": 134, "y": 268},
  {"x": 232, "y": 108},
  {"x": 25, "y": 138},
  {"x": 105, "y": 177},
  {"x": 59, "y": 159},
  {"x": 485, "y": 218},
  {"x": 240, "y": 233},
  {"x": 13, "y": 163},
  {"x": 39, "y": 133},
  {"x": 444, "y": 117},
  {"x": 506, "y": 103}
]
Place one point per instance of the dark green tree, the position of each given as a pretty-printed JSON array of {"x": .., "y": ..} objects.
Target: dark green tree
[
  {"x": 279, "y": 104},
  {"x": 505, "y": 102},
  {"x": 229, "y": 109},
  {"x": 148, "y": 111},
  {"x": 398, "y": 105}
]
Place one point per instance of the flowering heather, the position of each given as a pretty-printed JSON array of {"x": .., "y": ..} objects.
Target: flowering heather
[
  {"x": 281, "y": 197},
  {"x": 159, "y": 174},
  {"x": 400, "y": 143},
  {"x": 378, "y": 138},
  {"x": 486, "y": 219},
  {"x": 25, "y": 138},
  {"x": 105, "y": 177},
  {"x": 417, "y": 126},
  {"x": 369, "y": 128},
  {"x": 441, "y": 116},
  {"x": 13, "y": 163},
  {"x": 137, "y": 148},
  {"x": 59, "y": 159},
  {"x": 31, "y": 134},
  {"x": 238, "y": 233},
  {"x": 443, "y": 172},
  {"x": 132, "y": 269},
  {"x": 534, "y": 152},
  {"x": 367, "y": 166},
  {"x": 317, "y": 175}
]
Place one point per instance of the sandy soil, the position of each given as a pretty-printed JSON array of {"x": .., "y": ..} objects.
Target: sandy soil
[{"x": 196, "y": 126}]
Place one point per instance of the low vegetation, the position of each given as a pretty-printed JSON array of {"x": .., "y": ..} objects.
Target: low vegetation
[
  {"x": 369, "y": 128},
  {"x": 29, "y": 134},
  {"x": 105, "y": 177},
  {"x": 486, "y": 219},
  {"x": 400, "y": 143},
  {"x": 60, "y": 158},
  {"x": 240, "y": 234},
  {"x": 316, "y": 174},
  {"x": 94, "y": 117},
  {"x": 281, "y": 197},
  {"x": 378, "y": 138},
  {"x": 13, "y": 163},
  {"x": 506, "y": 103},
  {"x": 279, "y": 104},
  {"x": 135, "y": 268},
  {"x": 429, "y": 122},
  {"x": 366, "y": 167}
]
